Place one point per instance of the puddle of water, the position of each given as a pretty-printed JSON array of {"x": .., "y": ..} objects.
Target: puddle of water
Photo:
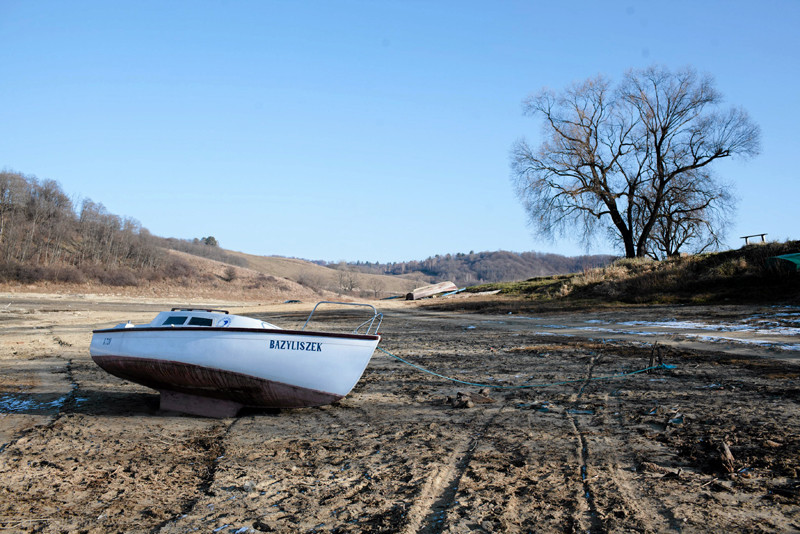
[
  {"x": 781, "y": 322},
  {"x": 24, "y": 403}
]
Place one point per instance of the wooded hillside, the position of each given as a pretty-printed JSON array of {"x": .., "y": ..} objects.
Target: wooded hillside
[
  {"x": 44, "y": 236},
  {"x": 483, "y": 267}
]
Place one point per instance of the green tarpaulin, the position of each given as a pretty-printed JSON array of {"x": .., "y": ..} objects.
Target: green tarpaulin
[{"x": 793, "y": 259}]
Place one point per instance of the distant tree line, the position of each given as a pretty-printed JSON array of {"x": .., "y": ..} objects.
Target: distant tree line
[
  {"x": 45, "y": 235},
  {"x": 482, "y": 267}
]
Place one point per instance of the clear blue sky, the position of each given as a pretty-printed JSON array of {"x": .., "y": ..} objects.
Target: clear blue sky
[{"x": 360, "y": 130}]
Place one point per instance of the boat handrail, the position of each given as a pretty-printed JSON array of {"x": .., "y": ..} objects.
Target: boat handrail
[
  {"x": 370, "y": 324},
  {"x": 200, "y": 309}
]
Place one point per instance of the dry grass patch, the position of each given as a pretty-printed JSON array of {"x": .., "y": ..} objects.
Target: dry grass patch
[{"x": 743, "y": 275}]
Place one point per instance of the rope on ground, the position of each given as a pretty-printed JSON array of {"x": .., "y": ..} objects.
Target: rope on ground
[{"x": 526, "y": 386}]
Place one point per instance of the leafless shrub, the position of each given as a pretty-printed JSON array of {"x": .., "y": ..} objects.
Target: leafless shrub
[
  {"x": 565, "y": 289},
  {"x": 311, "y": 281},
  {"x": 23, "y": 273},
  {"x": 70, "y": 275},
  {"x": 259, "y": 282},
  {"x": 609, "y": 290},
  {"x": 283, "y": 286},
  {"x": 230, "y": 274},
  {"x": 732, "y": 267},
  {"x": 376, "y": 286},
  {"x": 118, "y": 277},
  {"x": 178, "y": 268}
]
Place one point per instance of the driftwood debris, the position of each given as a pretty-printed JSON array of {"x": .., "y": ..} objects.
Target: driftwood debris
[
  {"x": 655, "y": 356},
  {"x": 431, "y": 290},
  {"x": 726, "y": 457},
  {"x": 650, "y": 467},
  {"x": 468, "y": 400}
]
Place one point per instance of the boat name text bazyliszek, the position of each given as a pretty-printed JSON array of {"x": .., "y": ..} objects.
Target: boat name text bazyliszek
[{"x": 295, "y": 345}]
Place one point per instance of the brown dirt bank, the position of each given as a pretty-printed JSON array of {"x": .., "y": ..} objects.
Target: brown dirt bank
[{"x": 710, "y": 444}]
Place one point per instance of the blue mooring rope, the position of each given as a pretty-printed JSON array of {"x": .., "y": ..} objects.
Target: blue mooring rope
[{"x": 526, "y": 386}]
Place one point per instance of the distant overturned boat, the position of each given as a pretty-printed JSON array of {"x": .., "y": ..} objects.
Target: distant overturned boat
[
  {"x": 431, "y": 290},
  {"x": 211, "y": 363}
]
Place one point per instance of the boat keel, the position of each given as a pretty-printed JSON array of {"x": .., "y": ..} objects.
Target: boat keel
[{"x": 202, "y": 406}]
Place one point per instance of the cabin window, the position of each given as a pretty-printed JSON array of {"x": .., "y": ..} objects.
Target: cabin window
[
  {"x": 175, "y": 320},
  {"x": 200, "y": 321}
]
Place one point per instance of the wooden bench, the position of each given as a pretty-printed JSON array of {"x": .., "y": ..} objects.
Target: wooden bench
[{"x": 747, "y": 238}]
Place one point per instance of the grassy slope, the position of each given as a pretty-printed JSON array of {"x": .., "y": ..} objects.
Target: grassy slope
[
  {"x": 313, "y": 275},
  {"x": 738, "y": 276}
]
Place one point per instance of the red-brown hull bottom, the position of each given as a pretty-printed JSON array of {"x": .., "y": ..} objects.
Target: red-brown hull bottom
[{"x": 211, "y": 392}]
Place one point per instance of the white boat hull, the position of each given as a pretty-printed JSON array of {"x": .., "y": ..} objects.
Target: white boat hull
[{"x": 210, "y": 370}]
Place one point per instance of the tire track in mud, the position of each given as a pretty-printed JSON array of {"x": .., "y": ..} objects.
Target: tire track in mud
[
  {"x": 596, "y": 499},
  {"x": 582, "y": 453},
  {"x": 624, "y": 496},
  {"x": 427, "y": 515}
]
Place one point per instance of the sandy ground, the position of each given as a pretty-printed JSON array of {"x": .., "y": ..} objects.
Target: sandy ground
[{"x": 711, "y": 444}]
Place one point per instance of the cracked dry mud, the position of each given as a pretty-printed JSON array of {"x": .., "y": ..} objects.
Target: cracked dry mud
[{"x": 82, "y": 451}]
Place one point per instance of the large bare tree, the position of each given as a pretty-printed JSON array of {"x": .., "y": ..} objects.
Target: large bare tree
[{"x": 633, "y": 161}]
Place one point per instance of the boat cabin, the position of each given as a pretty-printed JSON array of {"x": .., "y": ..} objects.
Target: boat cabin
[{"x": 192, "y": 317}]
